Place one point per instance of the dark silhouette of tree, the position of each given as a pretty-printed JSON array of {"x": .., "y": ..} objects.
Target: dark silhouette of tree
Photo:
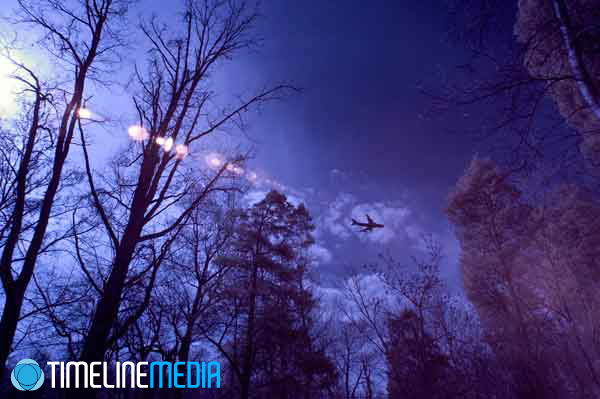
[
  {"x": 417, "y": 367},
  {"x": 265, "y": 331},
  {"x": 189, "y": 291},
  {"x": 140, "y": 204},
  {"x": 78, "y": 40},
  {"x": 355, "y": 361}
]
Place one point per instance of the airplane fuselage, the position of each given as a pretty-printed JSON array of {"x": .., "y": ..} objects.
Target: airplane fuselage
[{"x": 368, "y": 226}]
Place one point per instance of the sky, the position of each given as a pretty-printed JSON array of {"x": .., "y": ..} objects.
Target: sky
[{"x": 357, "y": 139}]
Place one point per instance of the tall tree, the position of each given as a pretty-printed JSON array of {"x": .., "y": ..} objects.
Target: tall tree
[
  {"x": 266, "y": 328},
  {"x": 417, "y": 366},
  {"x": 529, "y": 266},
  {"x": 77, "y": 36},
  {"x": 561, "y": 48},
  {"x": 140, "y": 204}
]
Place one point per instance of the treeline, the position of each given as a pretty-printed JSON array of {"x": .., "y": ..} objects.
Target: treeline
[{"x": 235, "y": 287}]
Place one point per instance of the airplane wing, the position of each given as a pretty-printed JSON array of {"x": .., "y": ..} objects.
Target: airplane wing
[{"x": 370, "y": 221}]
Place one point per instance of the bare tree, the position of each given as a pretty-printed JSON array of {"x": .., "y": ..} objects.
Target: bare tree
[
  {"x": 354, "y": 359},
  {"x": 150, "y": 192},
  {"x": 189, "y": 291},
  {"x": 75, "y": 35}
]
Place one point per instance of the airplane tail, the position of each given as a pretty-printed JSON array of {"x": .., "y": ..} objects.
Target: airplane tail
[{"x": 355, "y": 223}]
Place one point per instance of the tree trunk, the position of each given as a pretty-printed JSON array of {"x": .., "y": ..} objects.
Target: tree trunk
[
  {"x": 8, "y": 325},
  {"x": 586, "y": 88},
  {"x": 14, "y": 296},
  {"x": 245, "y": 388},
  {"x": 183, "y": 356},
  {"x": 107, "y": 310}
]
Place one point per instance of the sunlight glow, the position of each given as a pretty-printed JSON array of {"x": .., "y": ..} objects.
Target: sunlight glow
[
  {"x": 168, "y": 144},
  {"x": 84, "y": 113},
  {"x": 160, "y": 141},
  {"x": 8, "y": 88},
  {"x": 137, "y": 133},
  {"x": 181, "y": 151},
  {"x": 238, "y": 171},
  {"x": 213, "y": 160}
]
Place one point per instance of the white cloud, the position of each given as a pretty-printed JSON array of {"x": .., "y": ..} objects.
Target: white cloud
[
  {"x": 254, "y": 197},
  {"x": 392, "y": 215},
  {"x": 333, "y": 219},
  {"x": 320, "y": 254},
  {"x": 330, "y": 299}
]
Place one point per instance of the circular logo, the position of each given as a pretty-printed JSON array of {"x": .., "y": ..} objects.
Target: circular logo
[{"x": 27, "y": 375}]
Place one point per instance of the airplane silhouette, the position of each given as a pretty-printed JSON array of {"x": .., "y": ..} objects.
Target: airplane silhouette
[{"x": 368, "y": 226}]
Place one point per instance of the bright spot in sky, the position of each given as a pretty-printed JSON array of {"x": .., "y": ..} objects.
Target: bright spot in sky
[
  {"x": 160, "y": 140},
  {"x": 181, "y": 150},
  {"x": 8, "y": 88},
  {"x": 237, "y": 170},
  {"x": 213, "y": 160},
  {"x": 84, "y": 113},
  {"x": 168, "y": 144},
  {"x": 137, "y": 133}
]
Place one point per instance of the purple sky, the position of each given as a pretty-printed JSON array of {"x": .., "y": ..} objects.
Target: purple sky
[{"x": 356, "y": 139}]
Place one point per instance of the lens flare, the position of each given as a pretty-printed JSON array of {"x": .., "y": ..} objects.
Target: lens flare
[
  {"x": 137, "y": 133},
  {"x": 238, "y": 171},
  {"x": 84, "y": 113},
  {"x": 10, "y": 87},
  {"x": 168, "y": 144},
  {"x": 181, "y": 151},
  {"x": 213, "y": 160}
]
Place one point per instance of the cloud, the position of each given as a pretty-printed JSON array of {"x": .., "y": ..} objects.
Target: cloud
[
  {"x": 371, "y": 285},
  {"x": 393, "y": 214},
  {"x": 320, "y": 254},
  {"x": 330, "y": 299},
  {"x": 332, "y": 220},
  {"x": 254, "y": 197}
]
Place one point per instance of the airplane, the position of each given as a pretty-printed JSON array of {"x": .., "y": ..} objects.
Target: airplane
[{"x": 368, "y": 226}]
